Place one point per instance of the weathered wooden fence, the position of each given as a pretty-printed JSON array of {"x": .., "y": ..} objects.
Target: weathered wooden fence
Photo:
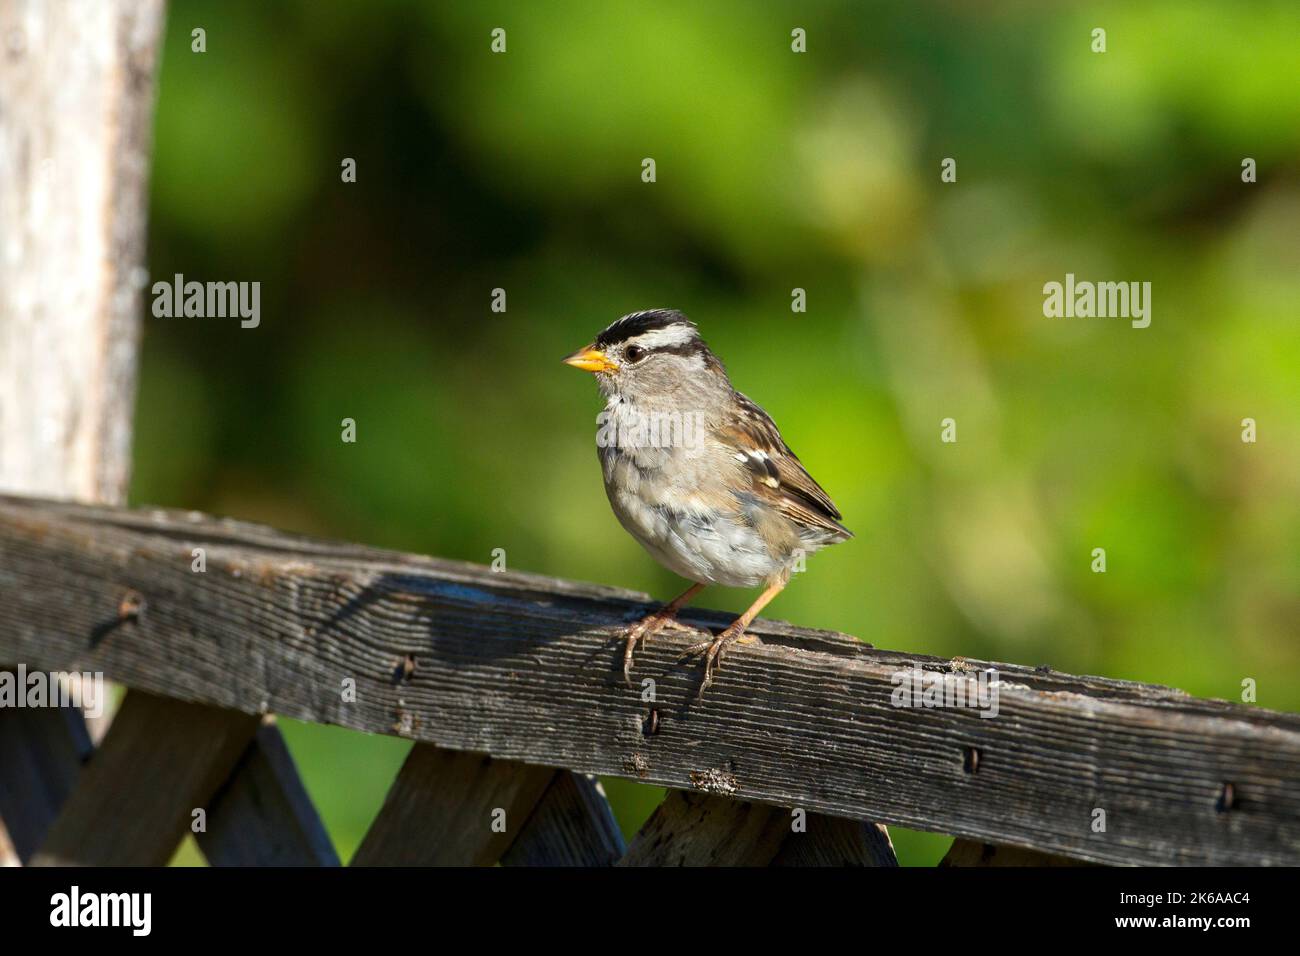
[{"x": 511, "y": 685}]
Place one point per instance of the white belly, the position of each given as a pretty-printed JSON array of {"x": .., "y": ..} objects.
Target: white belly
[{"x": 701, "y": 542}]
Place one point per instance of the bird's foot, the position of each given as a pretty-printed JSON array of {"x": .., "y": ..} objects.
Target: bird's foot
[
  {"x": 714, "y": 650},
  {"x": 640, "y": 631}
]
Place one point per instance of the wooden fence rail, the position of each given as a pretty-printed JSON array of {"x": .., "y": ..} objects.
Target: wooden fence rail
[{"x": 511, "y": 685}]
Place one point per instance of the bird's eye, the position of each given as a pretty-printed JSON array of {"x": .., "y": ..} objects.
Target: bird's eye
[{"x": 634, "y": 353}]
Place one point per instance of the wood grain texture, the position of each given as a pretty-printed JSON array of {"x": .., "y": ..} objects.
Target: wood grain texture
[
  {"x": 974, "y": 853},
  {"x": 41, "y": 754},
  {"x": 696, "y": 829},
  {"x": 526, "y": 668},
  {"x": 571, "y": 825},
  {"x": 261, "y": 815},
  {"x": 76, "y": 108},
  {"x": 160, "y": 760},
  {"x": 835, "y": 841},
  {"x": 443, "y": 808}
]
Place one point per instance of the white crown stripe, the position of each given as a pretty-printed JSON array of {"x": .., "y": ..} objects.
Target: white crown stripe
[{"x": 678, "y": 334}]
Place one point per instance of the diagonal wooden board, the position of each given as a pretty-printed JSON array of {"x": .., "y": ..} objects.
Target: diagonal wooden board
[
  {"x": 972, "y": 853},
  {"x": 261, "y": 815},
  {"x": 41, "y": 753},
  {"x": 450, "y": 808},
  {"x": 834, "y": 841},
  {"x": 135, "y": 799},
  {"x": 571, "y": 825},
  {"x": 696, "y": 829}
]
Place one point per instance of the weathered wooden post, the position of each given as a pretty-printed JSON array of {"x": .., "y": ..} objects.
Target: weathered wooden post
[
  {"x": 77, "y": 91},
  {"x": 76, "y": 109}
]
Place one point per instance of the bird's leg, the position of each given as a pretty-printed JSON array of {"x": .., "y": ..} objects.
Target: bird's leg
[
  {"x": 735, "y": 631},
  {"x": 664, "y": 617}
]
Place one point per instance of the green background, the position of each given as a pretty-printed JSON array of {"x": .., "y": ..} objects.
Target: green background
[{"x": 775, "y": 170}]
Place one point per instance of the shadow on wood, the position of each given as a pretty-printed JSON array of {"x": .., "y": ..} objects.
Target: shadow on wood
[{"x": 526, "y": 668}]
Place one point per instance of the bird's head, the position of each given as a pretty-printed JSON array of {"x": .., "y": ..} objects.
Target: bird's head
[{"x": 650, "y": 355}]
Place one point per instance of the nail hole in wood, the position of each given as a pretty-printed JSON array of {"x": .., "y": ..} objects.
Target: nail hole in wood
[
  {"x": 650, "y": 726},
  {"x": 1227, "y": 798},
  {"x": 129, "y": 608},
  {"x": 971, "y": 761},
  {"x": 404, "y": 669}
]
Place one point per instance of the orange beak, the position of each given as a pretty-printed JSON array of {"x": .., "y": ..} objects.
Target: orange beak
[{"x": 591, "y": 359}]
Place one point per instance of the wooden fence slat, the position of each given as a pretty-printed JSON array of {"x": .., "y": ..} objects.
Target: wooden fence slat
[
  {"x": 572, "y": 825},
  {"x": 445, "y": 809},
  {"x": 8, "y": 853},
  {"x": 41, "y": 753},
  {"x": 974, "y": 853},
  {"x": 834, "y": 841},
  {"x": 133, "y": 802},
  {"x": 699, "y": 829},
  {"x": 262, "y": 815},
  {"x": 526, "y": 668}
]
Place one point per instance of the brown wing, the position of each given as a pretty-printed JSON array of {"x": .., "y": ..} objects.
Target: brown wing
[{"x": 778, "y": 474}]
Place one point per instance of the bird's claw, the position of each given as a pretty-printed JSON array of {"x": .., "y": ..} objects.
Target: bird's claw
[
  {"x": 714, "y": 651},
  {"x": 640, "y": 631}
]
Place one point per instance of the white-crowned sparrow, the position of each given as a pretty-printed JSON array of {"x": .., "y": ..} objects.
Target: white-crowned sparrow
[{"x": 697, "y": 472}]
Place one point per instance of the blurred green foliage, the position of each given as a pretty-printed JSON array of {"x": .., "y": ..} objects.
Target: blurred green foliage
[{"x": 775, "y": 170}]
